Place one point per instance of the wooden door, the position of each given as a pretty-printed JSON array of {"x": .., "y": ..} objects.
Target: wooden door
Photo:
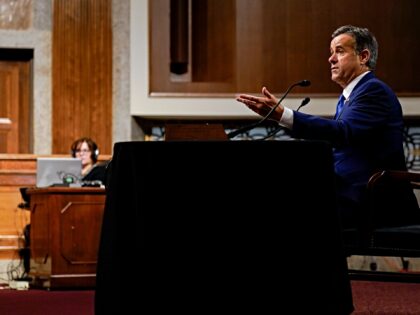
[{"x": 15, "y": 107}]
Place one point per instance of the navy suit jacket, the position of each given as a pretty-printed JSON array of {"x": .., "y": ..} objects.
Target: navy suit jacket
[{"x": 367, "y": 136}]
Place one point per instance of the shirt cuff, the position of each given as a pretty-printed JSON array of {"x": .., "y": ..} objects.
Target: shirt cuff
[{"x": 286, "y": 119}]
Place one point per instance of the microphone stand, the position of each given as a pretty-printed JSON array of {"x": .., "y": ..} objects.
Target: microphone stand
[{"x": 305, "y": 101}]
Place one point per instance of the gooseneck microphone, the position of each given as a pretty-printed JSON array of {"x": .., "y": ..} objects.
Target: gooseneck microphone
[
  {"x": 236, "y": 132},
  {"x": 304, "y": 102}
]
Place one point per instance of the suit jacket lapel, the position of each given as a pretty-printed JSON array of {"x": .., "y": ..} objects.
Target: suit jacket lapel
[{"x": 367, "y": 77}]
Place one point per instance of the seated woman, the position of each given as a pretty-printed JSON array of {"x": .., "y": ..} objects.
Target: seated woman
[{"x": 93, "y": 173}]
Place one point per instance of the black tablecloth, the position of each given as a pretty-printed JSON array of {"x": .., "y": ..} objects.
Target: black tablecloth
[{"x": 222, "y": 226}]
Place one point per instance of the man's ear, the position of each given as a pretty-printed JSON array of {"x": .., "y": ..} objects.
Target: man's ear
[{"x": 364, "y": 56}]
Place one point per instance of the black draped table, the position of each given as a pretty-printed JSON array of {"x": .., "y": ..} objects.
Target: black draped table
[{"x": 220, "y": 226}]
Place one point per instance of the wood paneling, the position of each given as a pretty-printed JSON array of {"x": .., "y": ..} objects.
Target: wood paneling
[
  {"x": 212, "y": 58},
  {"x": 240, "y": 45},
  {"x": 12, "y": 221},
  {"x": 213, "y": 52},
  {"x": 82, "y": 73}
]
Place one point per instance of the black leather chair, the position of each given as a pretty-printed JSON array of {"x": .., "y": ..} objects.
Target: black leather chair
[{"x": 383, "y": 233}]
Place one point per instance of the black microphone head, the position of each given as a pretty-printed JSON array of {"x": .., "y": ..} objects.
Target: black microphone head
[
  {"x": 305, "y": 83},
  {"x": 305, "y": 101}
]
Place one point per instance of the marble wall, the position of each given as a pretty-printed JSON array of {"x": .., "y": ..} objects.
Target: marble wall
[{"x": 15, "y": 14}]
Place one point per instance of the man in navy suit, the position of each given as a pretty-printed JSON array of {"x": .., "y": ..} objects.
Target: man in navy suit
[{"x": 366, "y": 132}]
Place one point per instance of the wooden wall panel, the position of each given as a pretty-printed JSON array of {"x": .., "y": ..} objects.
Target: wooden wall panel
[
  {"x": 279, "y": 42},
  {"x": 82, "y": 73},
  {"x": 212, "y": 57}
]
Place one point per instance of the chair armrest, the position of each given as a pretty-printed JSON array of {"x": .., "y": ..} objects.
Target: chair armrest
[
  {"x": 391, "y": 201},
  {"x": 396, "y": 176}
]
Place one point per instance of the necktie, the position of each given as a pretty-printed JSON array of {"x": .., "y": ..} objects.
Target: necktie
[{"x": 340, "y": 105}]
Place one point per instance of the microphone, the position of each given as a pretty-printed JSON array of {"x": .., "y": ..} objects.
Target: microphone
[
  {"x": 304, "y": 102},
  {"x": 236, "y": 132}
]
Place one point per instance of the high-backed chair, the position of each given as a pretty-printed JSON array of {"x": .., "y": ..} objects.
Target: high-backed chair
[{"x": 380, "y": 234}]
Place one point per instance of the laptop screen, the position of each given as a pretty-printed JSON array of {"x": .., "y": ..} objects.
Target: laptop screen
[{"x": 58, "y": 171}]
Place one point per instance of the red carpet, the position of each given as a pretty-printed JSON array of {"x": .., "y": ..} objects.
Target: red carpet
[
  {"x": 370, "y": 298},
  {"x": 42, "y": 302},
  {"x": 386, "y": 298}
]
